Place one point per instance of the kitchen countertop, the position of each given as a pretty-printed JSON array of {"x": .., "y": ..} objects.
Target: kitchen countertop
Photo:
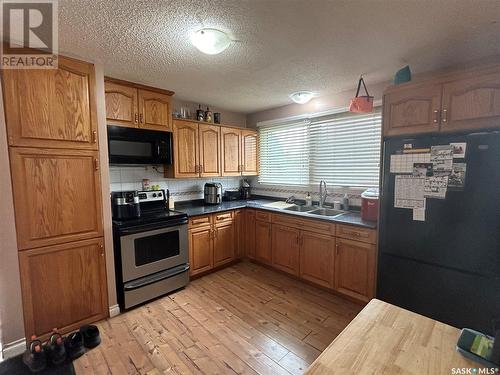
[
  {"x": 384, "y": 338},
  {"x": 196, "y": 208}
]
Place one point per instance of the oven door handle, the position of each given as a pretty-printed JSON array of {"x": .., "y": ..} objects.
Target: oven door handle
[
  {"x": 152, "y": 226},
  {"x": 156, "y": 277}
]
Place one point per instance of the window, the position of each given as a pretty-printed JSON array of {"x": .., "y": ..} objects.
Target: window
[{"x": 342, "y": 149}]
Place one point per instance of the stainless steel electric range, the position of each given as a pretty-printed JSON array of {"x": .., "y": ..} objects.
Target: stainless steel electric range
[{"x": 151, "y": 250}]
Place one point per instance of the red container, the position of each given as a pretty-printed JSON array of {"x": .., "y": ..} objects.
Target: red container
[{"x": 369, "y": 205}]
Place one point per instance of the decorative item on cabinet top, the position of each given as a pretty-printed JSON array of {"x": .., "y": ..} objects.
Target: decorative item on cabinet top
[{"x": 138, "y": 106}]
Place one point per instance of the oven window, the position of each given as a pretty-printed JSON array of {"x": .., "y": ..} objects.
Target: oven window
[
  {"x": 158, "y": 247},
  {"x": 126, "y": 148}
]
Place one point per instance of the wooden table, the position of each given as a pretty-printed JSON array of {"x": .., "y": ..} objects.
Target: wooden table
[{"x": 387, "y": 339}]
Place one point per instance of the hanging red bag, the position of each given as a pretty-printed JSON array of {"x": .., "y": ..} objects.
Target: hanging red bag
[{"x": 361, "y": 104}]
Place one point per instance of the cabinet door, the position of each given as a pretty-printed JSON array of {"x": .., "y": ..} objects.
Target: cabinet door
[
  {"x": 231, "y": 151},
  {"x": 239, "y": 223},
  {"x": 209, "y": 150},
  {"x": 224, "y": 244},
  {"x": 249, "y": 153},
  {"x": 471, "y": 104},
  {"x": 186, "y": 150},
  {"x": 57, "y": 196},
  {"x": 249, "y": 233},
  {"x": 154, "y": 111},
  {"x": 317, "y": 258},
  {"x": 355, "y": 269},
  {"x": 121, "y": 105},
  {"x": 412, "y": 111},
  {"x": 285, "y": 248},
  {"x": 263, "y": 242},
  {"x": 63, "y": 286},
  {"x": 200, "y": 250},
  {"x": 51, "y": 108}
]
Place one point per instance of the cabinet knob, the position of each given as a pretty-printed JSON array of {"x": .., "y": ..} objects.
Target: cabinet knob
[
  {"x": 445, "y": 115},
  {"x": 436, "y": 116},
  {"x": 136, "y": 118},
  {"x": 141, "y": 118},
  {"x": 94, "y": 136}
]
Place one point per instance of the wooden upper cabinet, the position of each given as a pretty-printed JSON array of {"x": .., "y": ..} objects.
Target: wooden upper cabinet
[
  {"x": 471, "y": 104},
  {"x": 317, "y": 258},
  {"x": 249, "y": 153},
  {"x": 355, "y": 269},
  {"x": 154, "y": 111},
  {"x": 121, "y": 105},
  {"x": 186, "y": 149},
  {"x": 231, "y": 151},
  {"x": 63, "y": 286},
  {"x": 412, "y": 111},
  {"x": 210, "y": 150},
  {"x": 53, "y": 108},
  {"x": 57, "y": 196},
  {"x": 285, "y": 248}
]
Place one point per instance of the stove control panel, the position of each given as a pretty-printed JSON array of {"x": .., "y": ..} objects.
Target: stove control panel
[{"x": 152, "y": 195}]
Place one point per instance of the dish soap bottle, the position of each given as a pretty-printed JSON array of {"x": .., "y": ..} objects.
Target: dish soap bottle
[
  {"x": 309, "y": 200},
  {"x": 345, "y": 202}
]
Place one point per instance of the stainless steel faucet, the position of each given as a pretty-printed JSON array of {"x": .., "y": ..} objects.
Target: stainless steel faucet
[{"x": 322, "y": 193}]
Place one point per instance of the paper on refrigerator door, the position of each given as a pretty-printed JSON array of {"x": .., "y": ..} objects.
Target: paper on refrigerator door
[
  {"x": 409, "y": 192},
  {"x": 442, "y": 158},
  {"x": 436, "y": 187},
  {"x": 419, "y": 214},
  {"x": 404, "y": 163}
]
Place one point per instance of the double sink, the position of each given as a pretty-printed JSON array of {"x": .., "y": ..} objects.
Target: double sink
[{"x": 314, "y": 210}]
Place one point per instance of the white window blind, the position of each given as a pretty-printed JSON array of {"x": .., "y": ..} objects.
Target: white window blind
[
  {"x": 345, "y": 149},
  {"x": 284, "y": 154},
  {"x": 342, "y": 149}
]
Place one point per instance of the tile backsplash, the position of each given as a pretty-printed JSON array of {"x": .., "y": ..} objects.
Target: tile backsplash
[
  {"x": 300, "y": 192},
  {"x": 130, "y": 178}
]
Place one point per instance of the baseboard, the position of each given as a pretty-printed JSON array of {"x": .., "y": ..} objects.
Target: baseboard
[
  {"x": 13, "y": 348},
  {"x": 114, "y": 311}
]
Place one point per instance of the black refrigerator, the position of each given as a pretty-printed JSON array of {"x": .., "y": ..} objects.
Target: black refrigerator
[{"x": 448, "y": 266}]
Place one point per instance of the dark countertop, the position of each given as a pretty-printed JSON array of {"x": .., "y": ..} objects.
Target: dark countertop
[{"x": 196, "y": 208}]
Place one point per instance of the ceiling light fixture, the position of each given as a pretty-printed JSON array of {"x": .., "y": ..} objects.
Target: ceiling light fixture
[
  {"x": 210, "y": 41},
  {"x": 302, "y": 97}
]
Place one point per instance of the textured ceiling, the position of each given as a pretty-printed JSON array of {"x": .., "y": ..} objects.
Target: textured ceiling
[{"x": 281, "y": 46}]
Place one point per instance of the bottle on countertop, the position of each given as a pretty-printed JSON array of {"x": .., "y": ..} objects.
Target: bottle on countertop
[
  {"x": 345, "y": 202},
  {"x": 208, "y": 115},
  {"x": 309, "y": 200},
  {"x": 200, "y": 115}
]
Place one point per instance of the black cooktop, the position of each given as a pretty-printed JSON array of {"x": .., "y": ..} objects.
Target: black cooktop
[{"x": 166, "y": 217}]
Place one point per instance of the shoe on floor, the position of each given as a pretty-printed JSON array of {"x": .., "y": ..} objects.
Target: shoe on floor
[
  {"x": 91, "y": 337},
  {"x": 34, "y": 357},
  {"x": 74, "y": 345},
  {"x": 56, "y": 352}
]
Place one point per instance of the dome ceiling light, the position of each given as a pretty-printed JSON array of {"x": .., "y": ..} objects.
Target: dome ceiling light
[
  {"x": 210, "y": 41},
  {"x": 302, "y": 97}
]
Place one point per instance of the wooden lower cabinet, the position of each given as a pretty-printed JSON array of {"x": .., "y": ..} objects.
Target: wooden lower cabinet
[
  {"x": 224, "y": 244},
  {"x": 263, "y": 251},
  {"x": 355, "y": 269},
  {"x": 249, "y": 233},
  {"x": 200, "y": 250},
  {"x": 63, "y": 286},
  {"x": 317, "y": 258},
  {"x": 285, "y": 248},
  {"x": 239, "y": 230}
]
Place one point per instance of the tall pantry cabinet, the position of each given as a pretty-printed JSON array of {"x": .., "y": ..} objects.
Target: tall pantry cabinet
[{"x": 54, "y": 157}]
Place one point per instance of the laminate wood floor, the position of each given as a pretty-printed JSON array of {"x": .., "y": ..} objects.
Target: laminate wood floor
[{"x": 245, "y": 319}]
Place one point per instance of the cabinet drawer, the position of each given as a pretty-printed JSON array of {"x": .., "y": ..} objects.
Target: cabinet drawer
[
  {"x": 263, "y": 216},
  {"x": 357, "y": 233},
  {"x": 223, "y": 217},
  {"x": 200, "y": 221},
  {"x": 304, "y": 224}
]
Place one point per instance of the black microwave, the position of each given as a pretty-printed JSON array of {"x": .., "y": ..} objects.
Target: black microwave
[{"x": 139, "y": 146}]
